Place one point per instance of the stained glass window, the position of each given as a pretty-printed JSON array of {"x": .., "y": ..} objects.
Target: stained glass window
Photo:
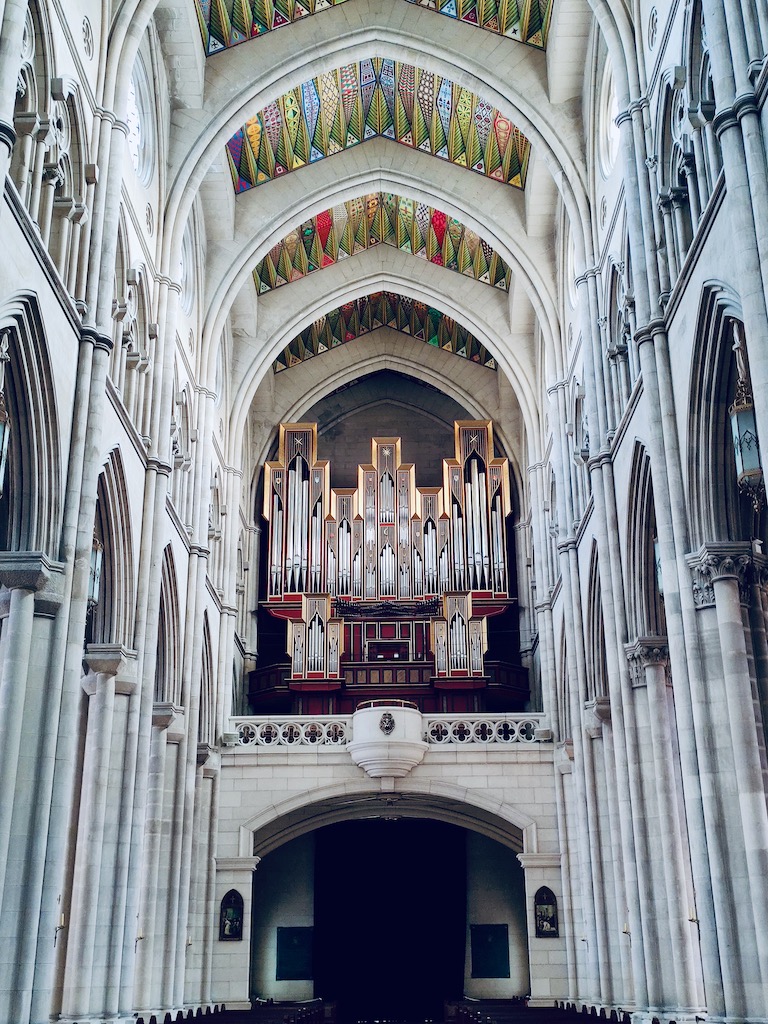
[
  {"x": 225, "y": 23},
  {"x": 527, "y": 20},
  {"x": 377, "y": 98},
  {"x": 376, "y": 219},
  {"x": 383, "y": 309}
]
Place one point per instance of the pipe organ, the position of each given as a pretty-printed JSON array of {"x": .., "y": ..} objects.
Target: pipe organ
[{"x": 387, "y": 571}]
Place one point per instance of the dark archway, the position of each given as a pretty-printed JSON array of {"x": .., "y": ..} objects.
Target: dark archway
[{"x": 390, "y": 917}]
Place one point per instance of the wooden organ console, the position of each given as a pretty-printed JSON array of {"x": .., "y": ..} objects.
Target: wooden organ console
[{"x": 387, "y": 587}]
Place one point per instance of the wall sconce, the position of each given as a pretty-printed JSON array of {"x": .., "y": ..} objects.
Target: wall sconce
[
  {"x": 657, "y": 566},
  {"x": 5, "y": 420},
  {"x": 94, "y": 577},
  {"x": 746, "y": 446}
]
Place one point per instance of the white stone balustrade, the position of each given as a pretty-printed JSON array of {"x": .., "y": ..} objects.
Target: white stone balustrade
[{"x": 336, "y": 731}]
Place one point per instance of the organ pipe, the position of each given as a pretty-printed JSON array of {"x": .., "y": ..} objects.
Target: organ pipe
[{"x": 387, "y": 537}]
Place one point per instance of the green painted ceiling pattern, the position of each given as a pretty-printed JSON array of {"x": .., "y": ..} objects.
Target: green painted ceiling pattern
[
  {"x": 377, "y": 98},
  {"x": 375, "y": 219},
  {"x": 526, "y": 20},
  {"x": 226, "y": 23},
  {"x": 383, "y": 309}
]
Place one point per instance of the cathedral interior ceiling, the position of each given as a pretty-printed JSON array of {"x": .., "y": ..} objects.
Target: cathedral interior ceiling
[
  {"x": 225, "y": 23},
  {"x": 383, "y": 309},
  {"x": 377, "y": 98},
  {"x": 435, "y": 128},
  {"x": 380, "y": 218}
]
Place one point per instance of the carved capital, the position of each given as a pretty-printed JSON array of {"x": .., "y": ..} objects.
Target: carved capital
[
  {"x": 646, "y": 652},
  {"x": 713, "y": 562}
]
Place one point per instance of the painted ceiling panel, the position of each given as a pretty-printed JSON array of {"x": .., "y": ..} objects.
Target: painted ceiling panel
[
  {"x": 383, "y": 309},
  {"x": 375, "y": 219},
  {"x": 377, "y": 98},
  {"x": 226, "y": 23},
  {"x": 526, "y": 20}
]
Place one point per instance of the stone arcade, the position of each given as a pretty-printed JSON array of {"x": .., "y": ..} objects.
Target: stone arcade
[{"x": 383, "y": 581}]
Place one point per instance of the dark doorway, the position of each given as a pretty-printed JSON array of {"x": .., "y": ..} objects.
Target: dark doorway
[{"x": 390, "y": 918}]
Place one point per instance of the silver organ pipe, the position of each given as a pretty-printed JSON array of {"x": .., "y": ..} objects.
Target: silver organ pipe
[
  {"x": 444, "y": 581},
  {"x": 387, "y": 572},
  {"x": 459, "y": 547},
  {"x": 331, "y": 571},
  {"x": 497, "y": 533},
  {"x": 315, "y": 645},
  {"x": 418, "y": 574},
  {"x": 276, "y": 546},
  {"x": 316, "y": 559},
  {"x": 386, "y": 499},
  {"x": 482, "y": 497},
  {"x": 345, "y": 549},
  {"x": 387, "y": 538},
  {"x": 303, "y": 530},
  {"x": 430, "y": 557},
  {"x": 458, "y": 643}
]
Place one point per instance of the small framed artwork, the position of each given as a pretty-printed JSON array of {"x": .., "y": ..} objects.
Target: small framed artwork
[
  {"x": 231, "y": 917},
  {"x": 545, "y": 914}
]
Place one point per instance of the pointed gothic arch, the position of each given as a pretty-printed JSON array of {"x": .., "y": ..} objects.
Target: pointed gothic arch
[{"x": 32, "y": 495}]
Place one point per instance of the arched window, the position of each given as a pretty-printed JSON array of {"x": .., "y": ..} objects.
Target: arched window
[
  {"x": 140, "y": 122},
  {"x": 607, "y": 130}
]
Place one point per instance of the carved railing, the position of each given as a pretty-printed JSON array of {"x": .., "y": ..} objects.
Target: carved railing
[
  {"x": 293, "y": 731},
  {"x": 271, "y": 732},
  {"x": 442, "y": 730}
]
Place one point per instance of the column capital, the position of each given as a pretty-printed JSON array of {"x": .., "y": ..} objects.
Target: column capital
[
  {"x": 718, "y": 561},
  {"x": 32, "y": 570},
  {"x": 97, "y": 338},
  {"x": 745, "y": 104},
  {"x": 170, "y": 717},
  {"x": 115, "y": 661},
  {"x": 723, "y": 120},
  {"x": 595, "y": 714},
  {"x": 646, "y": 652}
]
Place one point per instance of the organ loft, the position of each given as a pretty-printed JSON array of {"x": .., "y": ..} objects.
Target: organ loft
[{"x": 389, "y": 589}]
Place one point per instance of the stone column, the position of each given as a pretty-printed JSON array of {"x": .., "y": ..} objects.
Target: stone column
[
  {"x": 167, "y": 727},
  {"x": 649, "y": 659},
  {"x": 721, "y": 787},
  {"x": 726, "y": 568},
  {"x": 89, "y": 917},
  {"x": 35, "y": 589},
  {"x": 13, "y": 14}
]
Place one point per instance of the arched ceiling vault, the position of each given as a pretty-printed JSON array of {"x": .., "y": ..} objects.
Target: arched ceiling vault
[
  {"x": 259, "y": 226},
  {"x": 514, "y": 79},
  {"x": 354, "y": 31},
  {"x": 484, "y": 394},
  {"x": 479, "y": 308}
]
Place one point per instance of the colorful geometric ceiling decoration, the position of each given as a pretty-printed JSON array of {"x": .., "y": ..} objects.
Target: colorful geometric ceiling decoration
[
  {"x": 526, "y": 20},
  {"x": 375, "y": 219},
  {"x": 377, "y": 98},
  {"x": 383, "y": 309},
  {"x": 226, "y": 23}
]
